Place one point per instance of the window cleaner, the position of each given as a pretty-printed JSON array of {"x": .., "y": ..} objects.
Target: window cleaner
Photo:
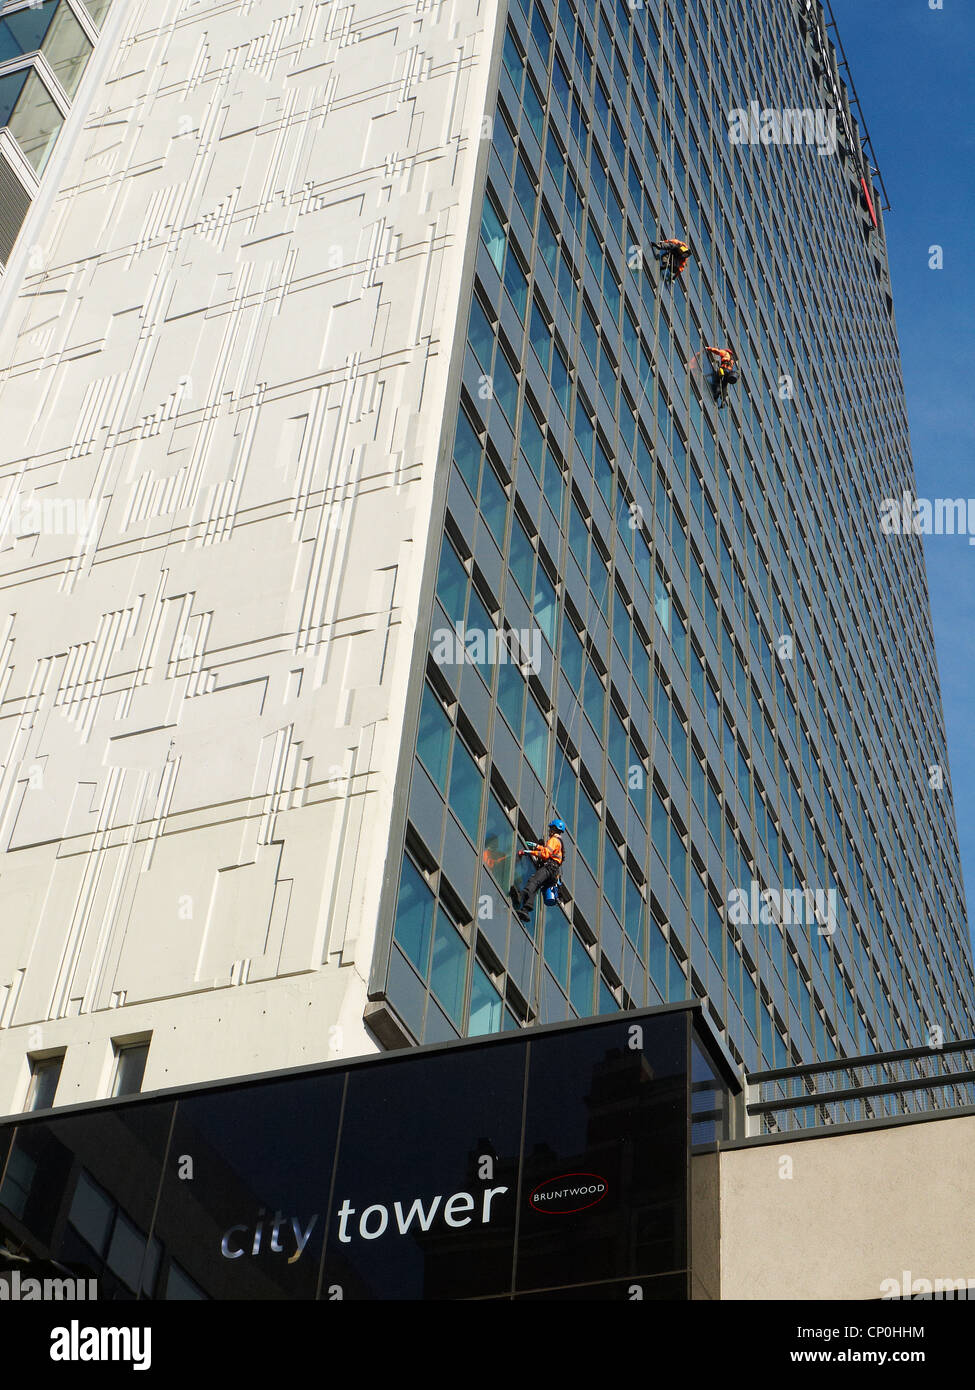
[
  {"x": 673, "y": 256},
  {"x": 726, "y": 372},
  {"x": 548, "y": 862}
]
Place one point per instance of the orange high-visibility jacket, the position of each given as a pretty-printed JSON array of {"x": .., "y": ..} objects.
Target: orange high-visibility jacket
[
  {"x": 552, "y": 849},
  {"x": 725, "y": 355}
]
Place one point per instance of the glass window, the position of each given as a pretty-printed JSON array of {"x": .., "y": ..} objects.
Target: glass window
[
  {"x": 492, "y": 233},
  {"x": 613, "y": 877},
  {"x": 587, "y": 831},
  {"x": 634, "y": 921},
  {"x": 449, "y": 968},
  {"x": 571, "y": 654},
  {"x": 67, "y": 49},
  {"x": 516, "y": 283},
  {"x": 45, "y": 1074},
  {"x": 594, "y": 699},
  {"x": 512, "y": 59},
  {"x": 534, "y": 108},
  {"x": 130, "y": 1068},
  {"x": 505, "y": 387},
  {"x": 433, "y": 740},
  {"x": 499, "y": 840},
  {"x": 547, "y": 243},
  {"x": 540, "y": 337},
  {"x": 479, "y": 633},
  {"x": 521, "y": 558},
  {"x": 617, "y": 743},
  {"x": 480, "y": 335},
  {"x": 659, "y": 826},
  {"x": 536, "y": 739},
  {"x": 525, "y": 190},
  {"x": 544, "y": 604},
  {"x": 98, "y": 9},
  {"x": 582, "y": 979},
  {"x": 467, "y": 452},
  {"x": 557, "y": 945},
  {"x": 511, "y": 695},
  {"x": 485, "y": 1005},
  {"x": 532, "y": 443},
  {"x": 31, "y": 115},
  {"x": 452, "y": 583},
  {"x": 540, "y": 33},
  {"x": 494, "y": 505},
  {"x": 24, "y": 30},
  {"x": 560, "y": 379},
  {"x": 659, "y": 955},
  {"x": 91, "y": 1213},
  {"x": 466, "y": 785},
  {"x": 11, "y": 87},
  {"x": 414, "y": 917},
  {"x": 126, "y": 1252},
  {"x": 504, "y": 141},
  {"x": 604, "y": 474}
]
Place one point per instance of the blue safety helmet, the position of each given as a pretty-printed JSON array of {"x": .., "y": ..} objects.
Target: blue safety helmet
[{"x": 556, "y": 824}]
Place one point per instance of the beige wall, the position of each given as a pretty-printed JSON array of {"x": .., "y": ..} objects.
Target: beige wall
[
  {"x": 835, "y": 1217},
  {"x": 223, "y": 369}
]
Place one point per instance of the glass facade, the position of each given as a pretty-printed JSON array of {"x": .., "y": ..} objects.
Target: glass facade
[
  {"x": 547, "y": 1164},
  {"x": 699, "y": 649}
]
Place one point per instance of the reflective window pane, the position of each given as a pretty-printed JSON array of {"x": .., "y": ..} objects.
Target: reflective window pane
[
  {"x": 24, "y": 30},
  {"x": 34, "y": 120},
  {"x": 98, "y": 9},
  {"x": 433, "y": 740},
  {"x": 414, "y": 917},
  {"x": 485, "y": 1005},
  {"x": 449, "y": 972},
  {"x": 67, "y": 49},
  {"x": 466, "y": 785}
]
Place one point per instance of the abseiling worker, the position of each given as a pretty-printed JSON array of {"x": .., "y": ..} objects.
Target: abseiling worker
[
  {"x": 548, "y": 864},
  {"x": 726, "y": 372},
  {"x": 674, "y": 255}
]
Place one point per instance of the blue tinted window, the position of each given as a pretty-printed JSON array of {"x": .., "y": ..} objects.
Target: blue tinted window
[
  {"x": 466, "y": 786},
  {"x": 485, "y": 1005},
  {"x": 467, "y": 452},
  {"x": 448, "y": 973},
  {"x": 492, "y": 233},
  {"x": 414, "y": 917},
  {"x": 24, "y": 31},
  {"x": 452, "y": 583},
  {"x": 536, "y": 739},
  {"x": 433, "y": 742}
]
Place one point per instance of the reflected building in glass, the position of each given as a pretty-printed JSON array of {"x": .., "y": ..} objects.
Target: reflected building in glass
[{"x": 367, "y": 504}]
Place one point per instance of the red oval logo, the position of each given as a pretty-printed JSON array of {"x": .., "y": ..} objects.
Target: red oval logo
[{"x": 568, "y": 1192}]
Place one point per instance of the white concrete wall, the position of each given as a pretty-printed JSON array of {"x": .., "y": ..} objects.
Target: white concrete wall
[
  {"x": 230, "y": 344},
  {"x": 843, "y": 1215}
]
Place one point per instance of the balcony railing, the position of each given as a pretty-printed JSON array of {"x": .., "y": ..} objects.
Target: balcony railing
[{"x": 852, "y": 1090}]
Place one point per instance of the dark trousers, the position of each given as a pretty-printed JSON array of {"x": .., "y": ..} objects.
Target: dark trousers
[{"x": 545, "y": 874}]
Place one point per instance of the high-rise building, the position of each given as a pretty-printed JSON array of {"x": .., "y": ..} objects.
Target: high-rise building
[{"x": 368, "y": 502}]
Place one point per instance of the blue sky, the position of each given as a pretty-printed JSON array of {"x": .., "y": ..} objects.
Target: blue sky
[{"x": 912, "y": 70}]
